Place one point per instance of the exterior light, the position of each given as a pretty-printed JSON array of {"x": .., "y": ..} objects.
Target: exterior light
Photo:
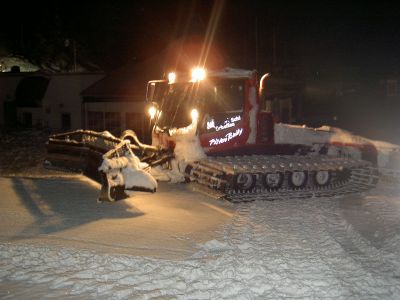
[
  {"x": 198, "y": 74},
  {"x": 152, "y": 112},
  {"x": 194, "y": 114},
  {"x": 262, "y": 80},
  {"x": 171, "y": 77}
]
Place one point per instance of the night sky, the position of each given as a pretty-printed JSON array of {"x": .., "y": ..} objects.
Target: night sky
[{"x": 314, "y": 37}]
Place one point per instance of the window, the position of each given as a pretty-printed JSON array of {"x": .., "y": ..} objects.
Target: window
[
  {"x": 113, "y": 122},
  {"x": 27, "y": 119},
  {"x": 135, "y": 122},
  {"x": 217, "y": 98},
  {"x": 224, "y": 96},
  {"x": 30, "y": 91},
  {"x": 95, "y": 120},
  {"x": 65, "y": 121}
]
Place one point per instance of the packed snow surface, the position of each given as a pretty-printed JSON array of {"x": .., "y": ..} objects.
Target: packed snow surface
[
  {"x": 314, "y": 248},
  {"x": 55, "y": 242}
]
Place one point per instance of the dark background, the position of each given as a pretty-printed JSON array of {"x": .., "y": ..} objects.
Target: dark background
[
  {"x": 340, "y": 53},
  {"x": 322, "y": 37}
]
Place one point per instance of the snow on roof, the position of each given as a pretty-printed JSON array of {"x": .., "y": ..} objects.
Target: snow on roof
[
  {"x": 128, "y": 81},
  {"x": 232, "y": 73},
  {"x": 7, "y": 62}
]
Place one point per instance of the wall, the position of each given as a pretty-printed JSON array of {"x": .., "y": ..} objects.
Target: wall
[
  {"x": 37, "y": 115},
  {"x": 122, "y": 108},
  {"x": 8, "y": 84},
  {"x": 63, "y": 96}
]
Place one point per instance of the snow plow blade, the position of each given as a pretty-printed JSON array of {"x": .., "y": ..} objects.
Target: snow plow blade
[{"x": 85, "y": 151}]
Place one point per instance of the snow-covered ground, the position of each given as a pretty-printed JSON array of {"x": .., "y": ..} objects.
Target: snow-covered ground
[
  {"x": 185, "y": 245},
  {"x": 22, "y": 152},
  {"x": 57, "y": 241}
]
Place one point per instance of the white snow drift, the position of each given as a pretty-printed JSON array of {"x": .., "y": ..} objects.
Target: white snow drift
[{"x": 388, "y": 154}]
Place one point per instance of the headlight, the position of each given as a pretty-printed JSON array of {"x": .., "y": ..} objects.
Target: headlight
[
  {"x": 198, "y": 74},
  {"x": 152, "y": 112},
  {"x": 194, "y": 114},
  {"x": 171, "y": 77}
]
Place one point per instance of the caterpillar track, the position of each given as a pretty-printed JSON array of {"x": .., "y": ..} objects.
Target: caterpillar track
[{"x": 260, "y": 177}]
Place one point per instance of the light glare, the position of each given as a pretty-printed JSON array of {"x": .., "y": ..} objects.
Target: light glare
[
  {"x": 171, "y": 77},
  {"x": 198, "y": 74},
  {"x": 152, "y": 112},
  {"x": 194, "y": 114}
]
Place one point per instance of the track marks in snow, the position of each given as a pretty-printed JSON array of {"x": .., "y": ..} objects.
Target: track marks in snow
[
  {"x": 312, "y": 245},
  {"x": 313, "y": 248}
]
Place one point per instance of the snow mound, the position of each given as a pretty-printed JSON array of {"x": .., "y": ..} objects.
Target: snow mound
[
  {"x": 303, "y": 135},
  {"x": 187, "y": 143},
  {"x": 388, "y": 154},
  {"x": 187, "y": 149}
]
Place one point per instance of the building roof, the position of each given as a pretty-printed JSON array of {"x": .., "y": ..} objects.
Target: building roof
[
  {"x": 127, "y": 82},
  {"x": 130, "y": 81}
]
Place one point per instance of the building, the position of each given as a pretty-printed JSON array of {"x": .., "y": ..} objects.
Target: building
[
  {"x": 43, "y": 100},
  {"x": 118, "y": 101}
]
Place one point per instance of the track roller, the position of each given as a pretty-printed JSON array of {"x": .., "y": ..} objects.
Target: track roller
[
  {"x": 298, "y": 179},
  {"x": 322, "y": 177},
  {"x": 244, "y": 181},
  {"x": 273, "y": 181}
]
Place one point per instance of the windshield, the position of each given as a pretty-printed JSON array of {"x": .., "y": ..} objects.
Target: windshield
[{"x": 211, "y": 97}]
